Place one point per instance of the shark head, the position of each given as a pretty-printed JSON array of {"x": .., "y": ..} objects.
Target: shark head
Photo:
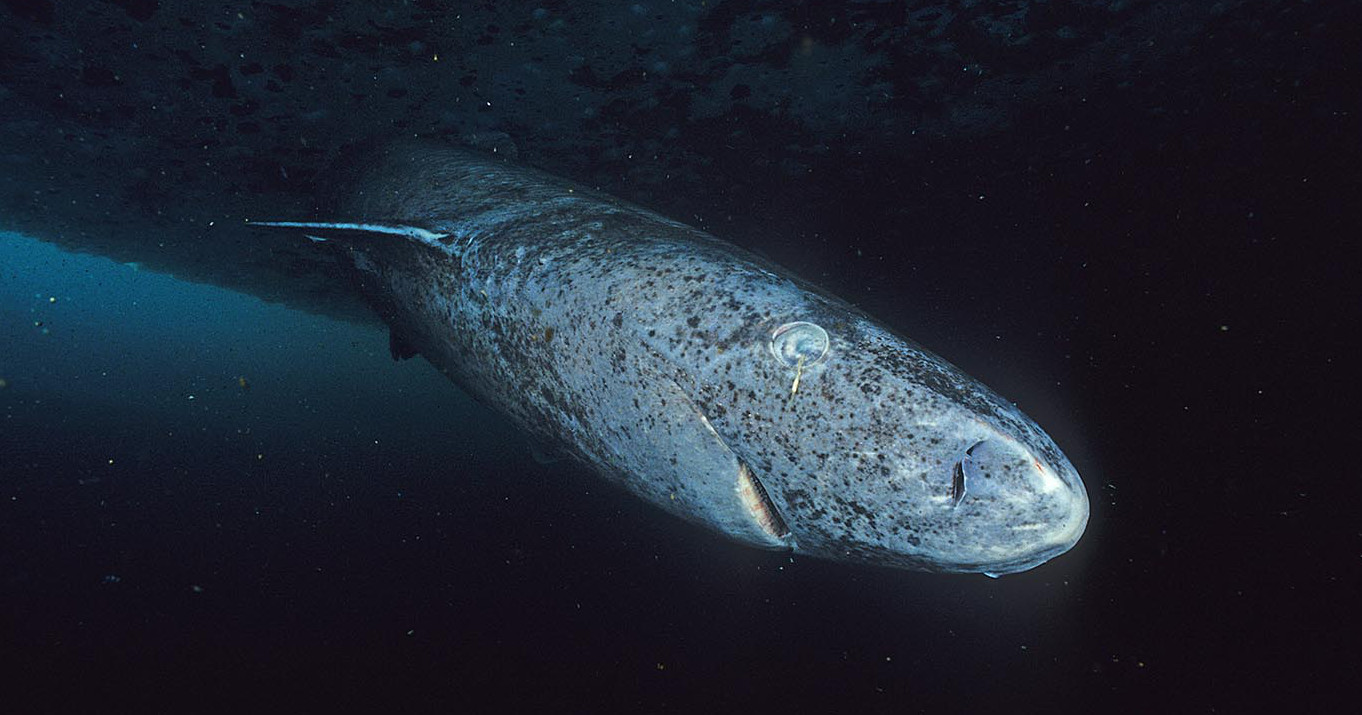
[{"x": 858, "y": 445}]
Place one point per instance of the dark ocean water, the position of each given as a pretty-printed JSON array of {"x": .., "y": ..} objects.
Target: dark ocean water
[{"x": 211, "y": 502}]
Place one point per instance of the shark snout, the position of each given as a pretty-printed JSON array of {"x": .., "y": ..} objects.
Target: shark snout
[{"x": 1020, "y": 508}]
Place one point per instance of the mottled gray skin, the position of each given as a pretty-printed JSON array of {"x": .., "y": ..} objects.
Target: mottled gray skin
[{"x": 642, "y": 347}]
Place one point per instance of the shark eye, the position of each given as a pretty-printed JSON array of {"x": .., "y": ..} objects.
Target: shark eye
[
  {"x": 960, "y": 475},
  {"x": 799, "y": 344}
]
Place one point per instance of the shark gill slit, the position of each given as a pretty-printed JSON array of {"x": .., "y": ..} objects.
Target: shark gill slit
[{"x": 759, "y": 503}]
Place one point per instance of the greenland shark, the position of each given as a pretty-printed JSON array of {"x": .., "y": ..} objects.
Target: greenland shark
[{"x": 701, "y": 378}]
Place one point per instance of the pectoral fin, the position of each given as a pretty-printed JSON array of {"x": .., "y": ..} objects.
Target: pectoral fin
[
  {"x": 399, "y": 347},
  {"x": 683, "y": 463},
  {"x": 415, "y": 233}
]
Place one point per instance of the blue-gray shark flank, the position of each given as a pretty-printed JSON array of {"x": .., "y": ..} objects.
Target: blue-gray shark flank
[{"x": 701, "y": 378}]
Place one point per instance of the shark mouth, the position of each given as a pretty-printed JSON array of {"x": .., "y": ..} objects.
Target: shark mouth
[{"x": 758, "y": 503}]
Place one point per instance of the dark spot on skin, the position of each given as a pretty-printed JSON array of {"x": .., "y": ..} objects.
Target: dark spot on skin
[{"x": 548, "y": 334}]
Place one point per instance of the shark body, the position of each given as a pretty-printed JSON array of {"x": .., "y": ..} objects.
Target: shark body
[{"x": 703, "y": 379}]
